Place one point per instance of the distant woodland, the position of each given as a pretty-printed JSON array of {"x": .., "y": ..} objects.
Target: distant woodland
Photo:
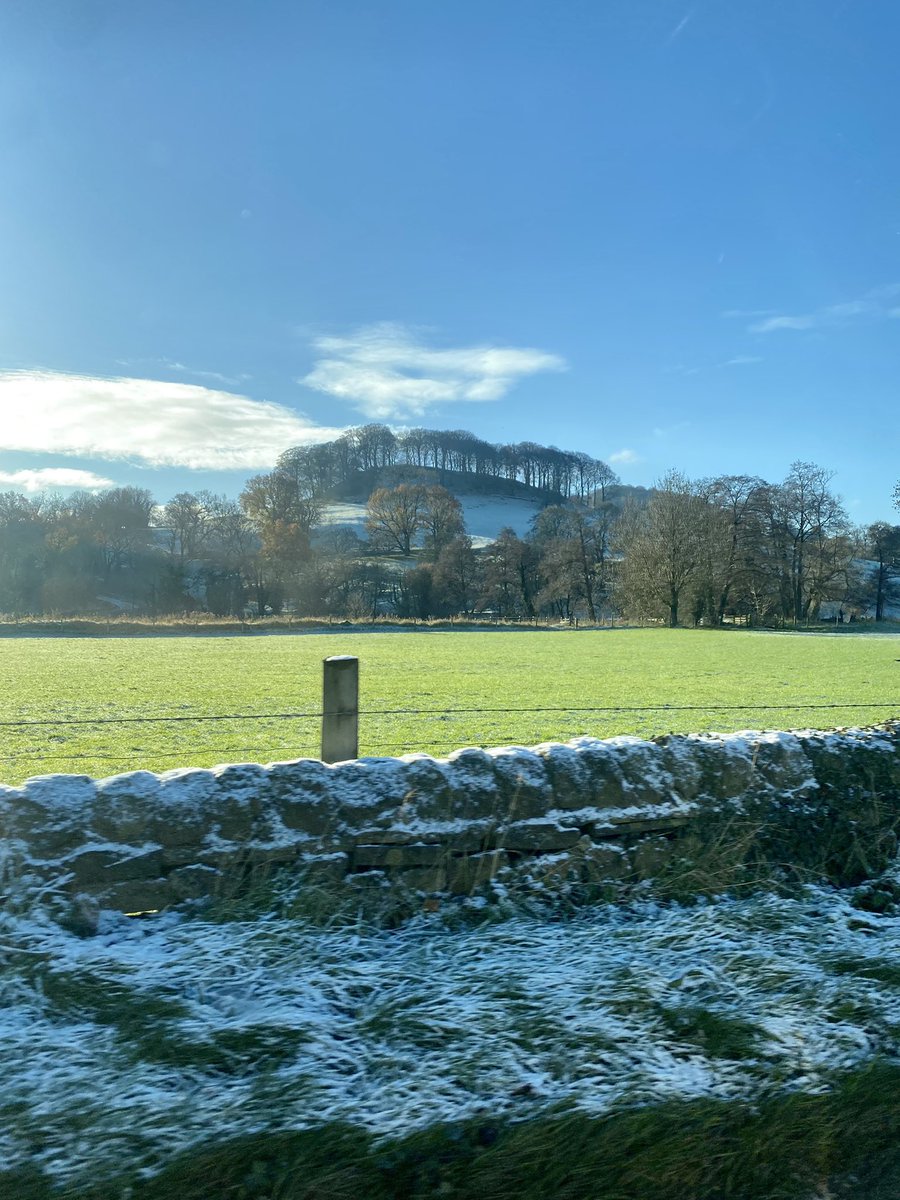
[{"x": 683, "y": 552}]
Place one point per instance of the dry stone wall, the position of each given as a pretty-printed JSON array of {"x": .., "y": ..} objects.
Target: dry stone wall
[{"x": 616, "y": 810}]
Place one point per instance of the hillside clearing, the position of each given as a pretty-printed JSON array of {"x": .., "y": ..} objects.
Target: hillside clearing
[{"x": 484, "y": 516}]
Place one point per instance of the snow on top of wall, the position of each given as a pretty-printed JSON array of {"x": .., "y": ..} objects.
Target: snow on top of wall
[{"x": 368, "y": 781}]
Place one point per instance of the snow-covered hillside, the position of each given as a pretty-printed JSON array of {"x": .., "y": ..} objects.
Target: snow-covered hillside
[
  {"x": 485, "y": 516},
  {"x": 866, "y": 568}
]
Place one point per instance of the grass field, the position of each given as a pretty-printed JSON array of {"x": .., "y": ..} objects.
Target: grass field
[{"x": 411, "y": 683}]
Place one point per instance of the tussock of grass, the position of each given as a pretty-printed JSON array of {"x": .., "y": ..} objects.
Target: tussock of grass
[
  {"x": 782, "y": 1148},
  {"x": 865, "y": 968},
  {"x": 714, "y": 1033}
]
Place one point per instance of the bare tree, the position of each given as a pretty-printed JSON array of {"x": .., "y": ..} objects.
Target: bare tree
[
  {"x": 805, "y": 519},
  {"x": 441, "y": 519},
  {"x": 883, "y": 543},
  {"x": 394, "y": 516},
  {"x": 661, "y": 546},
  {"x": 190, "y": 519},
  {"x": 456, "y": 575}
]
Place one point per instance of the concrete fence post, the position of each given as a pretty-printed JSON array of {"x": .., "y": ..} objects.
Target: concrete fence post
[{"x": 340, "y": 708}]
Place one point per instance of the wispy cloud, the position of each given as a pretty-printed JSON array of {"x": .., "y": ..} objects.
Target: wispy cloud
[
  {"x": 215, "y": 376},
  {"x": 387, "y": 372},
  {"x": 739, "y": 360},
  {"x": 44, "y": 479},
  {"x": 179, "y": 368},
  {"x": 682, "y": 24},
  {"x": 669, "y": 431},
  {"x": 770, "y": 324},
  {"x": 146, "y": 421},
  {"x": 624, "y": 458},
  {"x": 873, "y": 306}
]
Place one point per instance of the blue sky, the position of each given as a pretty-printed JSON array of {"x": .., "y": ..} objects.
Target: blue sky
[{"x": 666, "y": 233}]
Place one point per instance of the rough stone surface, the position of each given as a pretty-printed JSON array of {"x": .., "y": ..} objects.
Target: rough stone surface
[
  {"x": 194, "y": 882},
  {"x": 301, "y": 792},
  {"x": 137, "y": 895},
  {"x": 426, "y": 879},
  {"x": 536, "y": 835},
  {"x": 113, "y": 864},
  {"x": 428, "y": 796},
  {"x": 398, "y": 856},
  {"x": 474, "y": 786},
  {"x": 54, "y": 813},
  {"x": 602, "y": 862},
  {"x": 523, "y": 782},
  {"x": 237, "y": 804},
  {"x": 467, "y": 874},
  {"x": 124, "y": 805},
  {"x": 326, "y": 868},
  {"x": 651, "y": 855},
  {"x": 182, "y": 812}
]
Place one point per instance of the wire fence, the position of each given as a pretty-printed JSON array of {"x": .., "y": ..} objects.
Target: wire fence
[{"x": 436, "y": 730}]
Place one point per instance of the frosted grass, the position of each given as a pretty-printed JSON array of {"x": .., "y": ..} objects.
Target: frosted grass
[{"x": 176, "y": 1029}]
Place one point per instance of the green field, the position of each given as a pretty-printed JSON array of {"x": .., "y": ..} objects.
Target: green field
[{"x": 411, "y": 683}]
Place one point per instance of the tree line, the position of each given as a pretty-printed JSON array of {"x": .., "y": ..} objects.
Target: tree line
[
  {"x": 686, "y": 552},
  {"x": 325, "y": 470}
]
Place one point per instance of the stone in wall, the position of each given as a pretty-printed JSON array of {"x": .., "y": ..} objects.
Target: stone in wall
[
  {"x": 382, "y": 856},
  {"x": 301, "y": 793},
  {"x": 107, "y": 864},
  {"x": 537, "y": 834},
  {"x": 468, "y": 873},
  {"x": 181, "y": 814},
  {"x": 474, "y": 785},
  {"x": 51, "y": 814},
  {"x": 122, "y": 804},
  {"x": 523, "y": 784}
]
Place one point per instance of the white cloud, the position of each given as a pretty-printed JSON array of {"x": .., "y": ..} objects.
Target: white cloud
[
  {"x": 386, "y": 372},
  {"x": 146, "y": 421},
  {"x": 624, "y": 458},
  {"x": 44, "y": 479}
]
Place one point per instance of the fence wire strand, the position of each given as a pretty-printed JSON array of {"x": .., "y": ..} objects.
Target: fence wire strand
[
  {"x": 491, "y": 733},
  {"x": 441, "y": 713}
]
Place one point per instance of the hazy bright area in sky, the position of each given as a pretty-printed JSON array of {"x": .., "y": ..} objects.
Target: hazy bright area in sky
[{"x": 664, "y": 232}]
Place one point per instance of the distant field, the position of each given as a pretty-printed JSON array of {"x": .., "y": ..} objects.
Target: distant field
[{"x": 94, "y": 679}]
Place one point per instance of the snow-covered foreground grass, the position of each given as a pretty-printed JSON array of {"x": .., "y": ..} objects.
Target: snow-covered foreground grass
[{"x": 119, "y": 1052}]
